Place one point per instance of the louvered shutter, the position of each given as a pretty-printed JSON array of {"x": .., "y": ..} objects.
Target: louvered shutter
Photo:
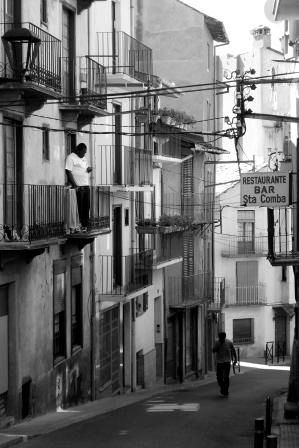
[{"x": 187, "y": 187}]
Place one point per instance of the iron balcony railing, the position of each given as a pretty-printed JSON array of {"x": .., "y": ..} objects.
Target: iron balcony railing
[
  {"x": 37, "y": 212},
  {"x": 122, "y": 54},
  {"x": 200, "y": 208},
  {"x": 246, "y": 294},
  {"x": 99, "y": 217},
  {"x": 218, "y": 299},
  {"x": 46, "y": 69},
  {"x": 84, "y": 81},
  {"x": 197, "y": 288},
  {"x": 122, "y": 275},
  {"x": 242, "y": 246},
  {"x": 281, "y": 242},
  {"x": 31, "y": 212},
  {"x": 125, "y": 166},
  {"x": 177, "y": 210},
  {"x": 168, "y": 247}
]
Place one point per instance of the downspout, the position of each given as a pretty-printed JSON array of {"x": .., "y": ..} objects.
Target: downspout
[
  {"x": 214, "y": 173},
  {"x": 214, "y": 180},
  {"x": 132, "y": 199},
  {"x": 92, "y": 255}
]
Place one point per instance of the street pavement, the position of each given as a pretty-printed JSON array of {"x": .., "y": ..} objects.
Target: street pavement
[{"x": 192, "y": 413}]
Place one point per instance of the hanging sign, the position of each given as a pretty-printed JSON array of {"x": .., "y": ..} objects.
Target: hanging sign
[{"x": 265, "y": 189}]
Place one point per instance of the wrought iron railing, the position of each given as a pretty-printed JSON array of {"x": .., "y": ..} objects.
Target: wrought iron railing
[
  {"x": 99, "y": 209},
  {"x": 121, "y": 275},
  {"x": 200, "y": 208},
  {"x": 194, "y": 288},
  {"x": 218, "y": 300},
  {"x": 281, "y": 242},
  {"x": 239, "y": 246},
  {"x": 168, "y": 247},
  {"x": 31, "y": 212},
  {"x": 84, "y": 81},
  {"x": 246, "y": 294},
  {"x": 123, "y": 166},
  {"x": 46, "y": 69},
  {"x": 37, "y": 212},
  {"x": 122, "y": 54}
]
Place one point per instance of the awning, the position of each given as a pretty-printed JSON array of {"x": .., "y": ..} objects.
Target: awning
[
  {"x": 284, "y": 310},
  {"x": 211, "y": 149},
  {"x": 217, "y": 30}
]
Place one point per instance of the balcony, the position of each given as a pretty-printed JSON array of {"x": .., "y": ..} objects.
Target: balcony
[
  {"x": 280, "y": 240},
  {"x": 128, "y": 62},
  {"x": 190, "y": 291},
  {"x": 218, "y": 301},
  {"x": 84, "y": 82},
  {"x": 242, "y": 246},
  {"x": 99, "y": 216},
  {"x": 244, "y": 295},
  {"x": 180, "y": 213},
  {"x": 124, "y": 275},
  {"x": 34, "y": 216},
  {"x": 42, "y": 81},
  {"x": 168, "y": 250},
  {"x": 124, "y": 168}
]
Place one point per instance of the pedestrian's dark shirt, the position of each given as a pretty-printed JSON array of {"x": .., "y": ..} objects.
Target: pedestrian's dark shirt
[{"x": 223, "y": 351}]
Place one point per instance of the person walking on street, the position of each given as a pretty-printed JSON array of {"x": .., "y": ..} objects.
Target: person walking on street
[
  {"x": 77, "y": 170},
  {"x": 225, "y": 353}
]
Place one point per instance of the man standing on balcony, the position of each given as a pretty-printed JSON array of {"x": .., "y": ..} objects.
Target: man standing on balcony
[
  {"x": 225, "y": 353},
  {"x": 77, "y": 171}
]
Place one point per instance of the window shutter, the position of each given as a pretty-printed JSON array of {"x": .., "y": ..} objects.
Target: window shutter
[{"x": 188, "y": 255}]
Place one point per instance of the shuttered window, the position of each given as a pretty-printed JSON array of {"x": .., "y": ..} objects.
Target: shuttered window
[
  {"x": 187, "y": 188},
  {"x": 59, "y": 290},
  {"x": 76, "y": 302},
  {"x": 188, "y": 255}
]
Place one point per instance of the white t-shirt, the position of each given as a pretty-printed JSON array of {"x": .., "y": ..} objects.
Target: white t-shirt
[{"x": 78, "y": 167}]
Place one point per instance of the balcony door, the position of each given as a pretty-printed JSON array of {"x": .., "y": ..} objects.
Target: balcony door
[
  {"x": 117, "y": 121},
  {"x": 117, "y": 246},
  {"x": 247, "y": 282},
  {"x": 68, "y": 52},
  {"x": 13, "y": 196}
]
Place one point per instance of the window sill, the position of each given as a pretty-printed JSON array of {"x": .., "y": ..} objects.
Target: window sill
[
  {"x": 59, "y": 360},
  {"x": 76, "y": 349}
]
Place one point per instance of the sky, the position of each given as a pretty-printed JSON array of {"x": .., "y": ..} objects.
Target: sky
[{"x": 239, "y": 17}]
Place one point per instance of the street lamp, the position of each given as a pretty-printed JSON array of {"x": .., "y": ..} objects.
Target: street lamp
[{"x": 18, "y": 42}]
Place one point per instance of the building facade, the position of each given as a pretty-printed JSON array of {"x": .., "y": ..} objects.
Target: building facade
[
  {"x": 86, "y": 313},
  {"x": 287, "y": 11}
]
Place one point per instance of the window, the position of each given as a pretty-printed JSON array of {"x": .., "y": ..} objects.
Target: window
[
  {"x": 76, "y": 303},
  {"x": 283, "y": 273},
  {"x": 70, "y": 141},
  {"x": 243, "y": 331},
  {"x": 43, "y": 11},
  {"x": 59, "y": 343},
  {"x": 127, "y": 217},
  {"x": 46, "y": 146},
  {"x": 141, "y": 304},
  {"x": 248, "y": 292},
  {"x": 246, "y": 226}
]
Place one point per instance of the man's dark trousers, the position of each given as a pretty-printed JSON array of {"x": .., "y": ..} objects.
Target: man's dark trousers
[
  {"x": 83, "y": 201},
  {"x": 222, "y": 373}
]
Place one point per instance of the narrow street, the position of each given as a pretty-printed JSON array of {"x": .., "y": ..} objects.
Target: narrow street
[{"x": 194, "y": 417}]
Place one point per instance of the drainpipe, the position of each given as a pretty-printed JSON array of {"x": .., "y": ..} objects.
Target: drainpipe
[
  {"x": 214, "y": 176},
  {"x": 92, "y": 255}
]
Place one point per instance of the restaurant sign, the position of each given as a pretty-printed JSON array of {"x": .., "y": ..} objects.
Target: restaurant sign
[{"x": 265, "y": 189}]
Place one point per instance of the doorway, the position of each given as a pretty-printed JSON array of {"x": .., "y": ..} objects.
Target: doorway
[{"x": 117, "y": 246}]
